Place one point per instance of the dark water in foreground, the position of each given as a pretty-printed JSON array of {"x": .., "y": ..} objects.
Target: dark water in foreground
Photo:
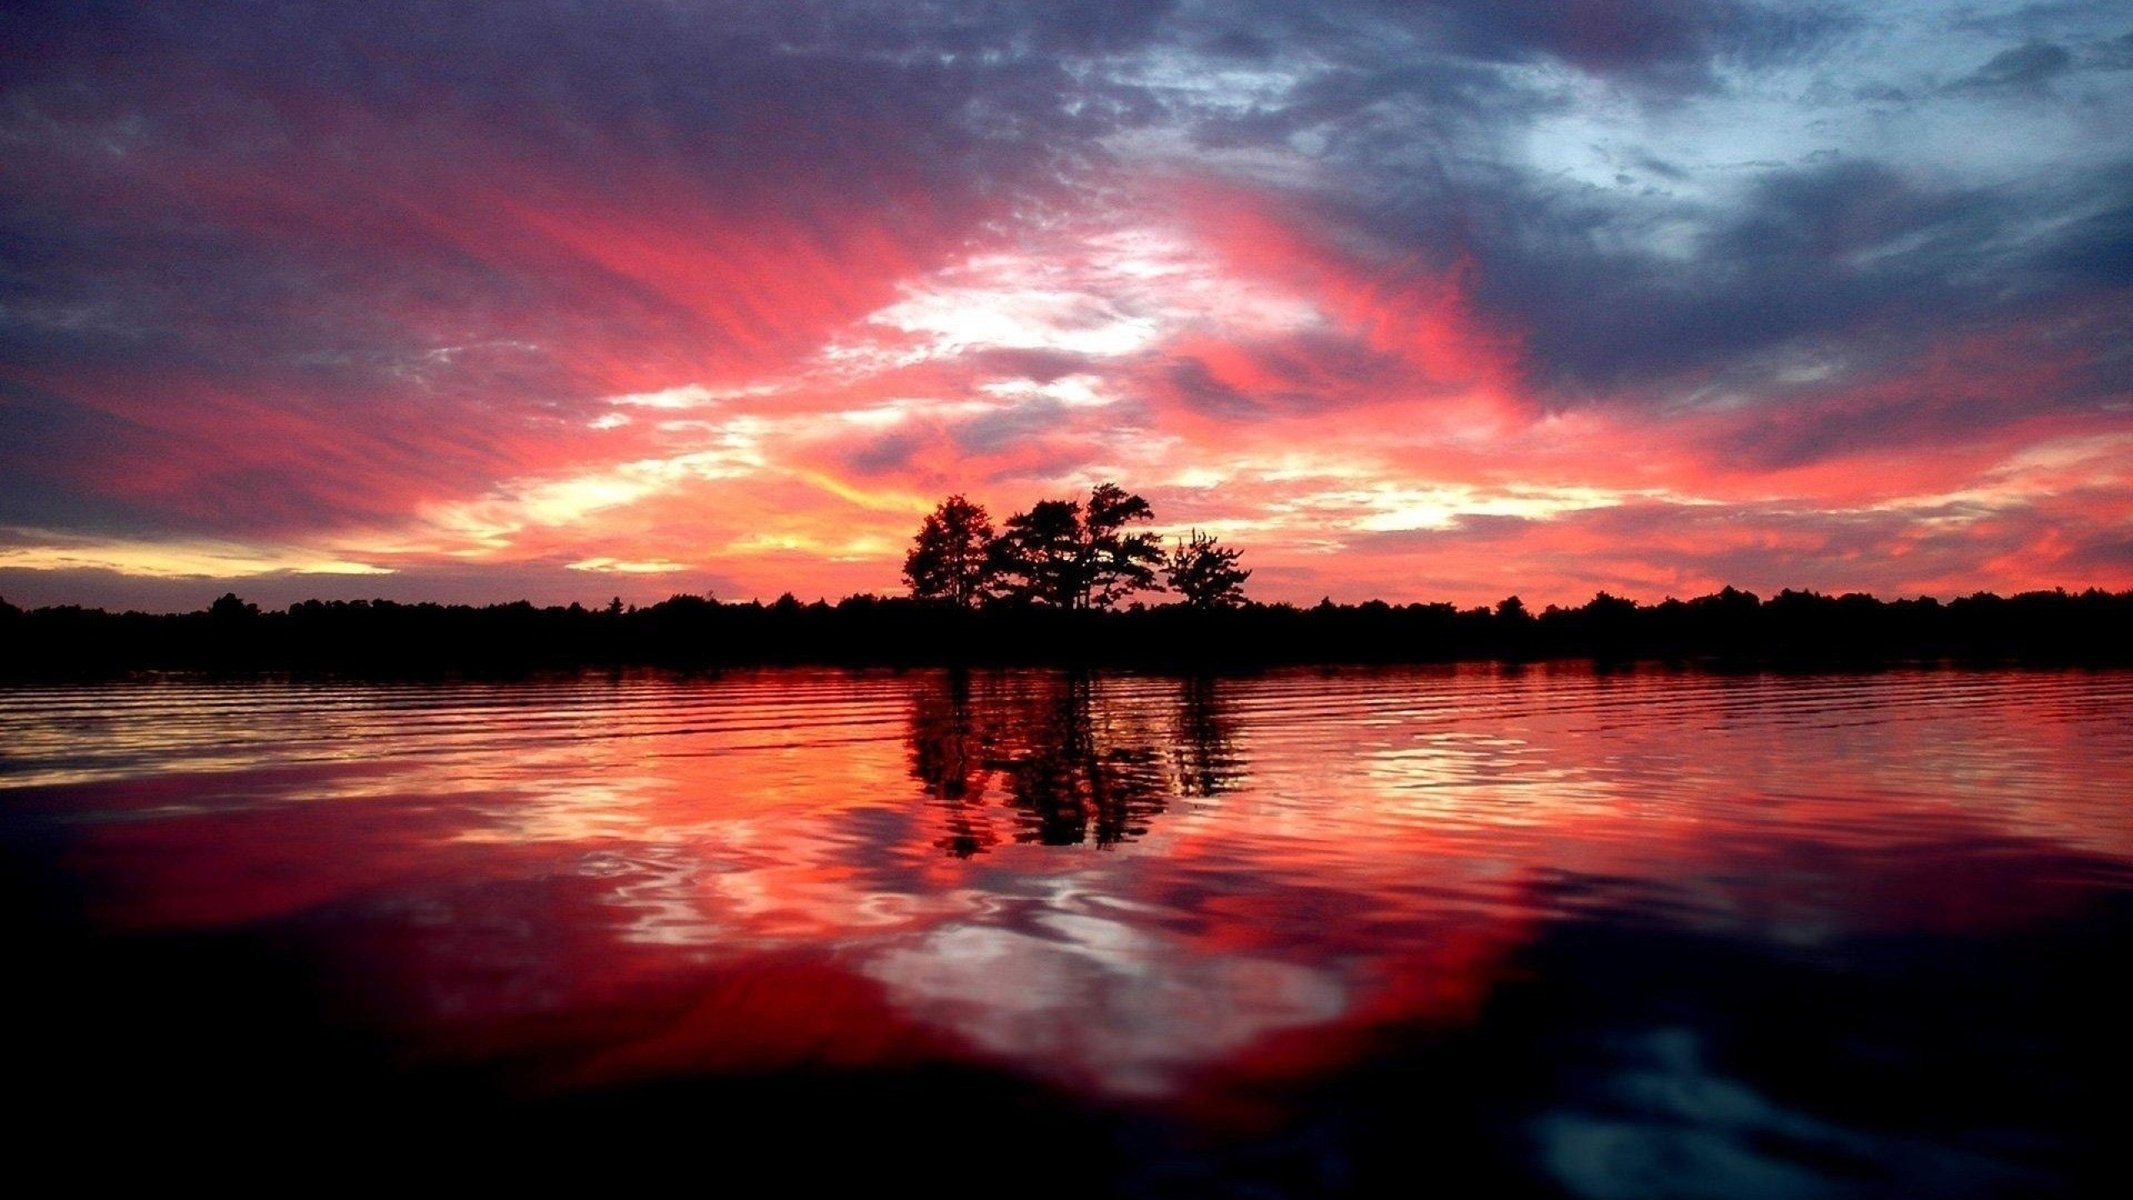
[{"x": 1473, "y": 932}]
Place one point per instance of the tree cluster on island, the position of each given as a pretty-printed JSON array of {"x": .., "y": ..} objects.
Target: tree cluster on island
[{"x": 1065, "y": 554}]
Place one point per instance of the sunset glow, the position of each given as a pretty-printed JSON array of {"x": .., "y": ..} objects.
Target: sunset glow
[{"x": 1434, "y": 302}]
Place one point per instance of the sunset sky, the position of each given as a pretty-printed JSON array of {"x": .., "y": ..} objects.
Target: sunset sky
[{"x": 1430, "y": 301}]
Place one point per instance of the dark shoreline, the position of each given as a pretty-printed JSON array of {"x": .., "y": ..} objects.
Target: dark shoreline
[{"x": 1728, "y": 630}]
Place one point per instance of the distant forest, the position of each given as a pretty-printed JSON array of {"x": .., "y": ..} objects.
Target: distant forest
[{"x": 1730, "y": 628}]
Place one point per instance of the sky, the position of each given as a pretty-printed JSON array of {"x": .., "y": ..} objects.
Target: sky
[{"x": 1416, "y": 301}]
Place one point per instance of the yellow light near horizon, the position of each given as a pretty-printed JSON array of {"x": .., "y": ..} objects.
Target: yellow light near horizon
[
  {"x": 621, "y": 566},
  {"x": 182, "y": 560}
]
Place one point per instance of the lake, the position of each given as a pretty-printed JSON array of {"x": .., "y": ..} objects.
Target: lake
[{"x": 1479, "y": 930}]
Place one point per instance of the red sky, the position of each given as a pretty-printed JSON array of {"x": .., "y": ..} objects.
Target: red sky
[{"x": 1441, "y": 302}]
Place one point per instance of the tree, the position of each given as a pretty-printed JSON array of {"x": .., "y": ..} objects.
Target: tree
[
  {"x": 1062, "y": 554},
  {"x": 1039, "y": 555},
  {"x": 950, "y": 559},
  {"x": 1206, "y": 573},
  {"x": 1116, "y": 563},
  {"x": 228, "y": 609}
]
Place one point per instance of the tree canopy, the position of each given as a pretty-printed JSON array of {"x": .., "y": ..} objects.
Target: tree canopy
[
  {"x": 1206, "y": 573},
  {"x": 1074, "y": 554},
  {"x": 950, "y": 557},
  {"x": 1039, "y": 556},
  {"x": 1116, "y": 563}
]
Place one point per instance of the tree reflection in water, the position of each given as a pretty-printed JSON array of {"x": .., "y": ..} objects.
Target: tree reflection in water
[
  {"x": 1059, "y": 759},
  {"x": 1205, "y": 748}
]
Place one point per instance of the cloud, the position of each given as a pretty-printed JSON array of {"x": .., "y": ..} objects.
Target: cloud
[
  {"x": 2025, "y": 67},
  {"x": 1678, "y": 41},
  {"x": 476, "y": 292}
]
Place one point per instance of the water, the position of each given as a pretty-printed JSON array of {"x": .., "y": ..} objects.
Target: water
[{"x": 1477, "y": 931}]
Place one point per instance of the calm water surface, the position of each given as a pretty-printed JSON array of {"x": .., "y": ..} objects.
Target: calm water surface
[{"x": 1478, "y": 931}]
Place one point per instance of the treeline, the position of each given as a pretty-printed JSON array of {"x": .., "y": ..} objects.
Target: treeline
[{"x": 381, "y": 637}]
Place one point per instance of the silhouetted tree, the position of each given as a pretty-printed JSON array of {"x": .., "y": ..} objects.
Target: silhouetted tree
[
  {"x": 1206, "y": 573},
  {"x": 228, "y": 609},
  {"x": 1063, "y": 554},
  {"x": 1118, "y": 563},
  {"x": 1038, "y": 555},
  {"x": 950, "y": 559}
]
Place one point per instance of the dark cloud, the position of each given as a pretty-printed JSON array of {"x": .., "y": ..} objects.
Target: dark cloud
[
  {"x": 1043, "y": 366},
  {"x": 2115, "y": 54},
  {"x": 884, "y": 454},
  {"x": 1846, "y": 210},
  {"x": 1469, "y": 528},
  {"x": 1190, "y": 381},
  {"x": 1674, "y": 40},
  {"x": 2096, "y": 249},
  {"x": 2042, "y": 20},
  {"x": 1848, "y": 260},
  {"x": 40, "y": 435},
  {"x": 2025, "y": 67},
  {"x": 1429, "y": 84},
  {"x": 1310, "y": 374},
  {"x": 2106, "y": 555},
  {"x": 1022, "y": 423},
  {"x": 1667, "y": 44}
]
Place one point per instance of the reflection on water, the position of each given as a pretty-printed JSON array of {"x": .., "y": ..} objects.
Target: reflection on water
[
  {"x": 1541, "y": 930},
  {"x": 1073, "y": 762}
]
